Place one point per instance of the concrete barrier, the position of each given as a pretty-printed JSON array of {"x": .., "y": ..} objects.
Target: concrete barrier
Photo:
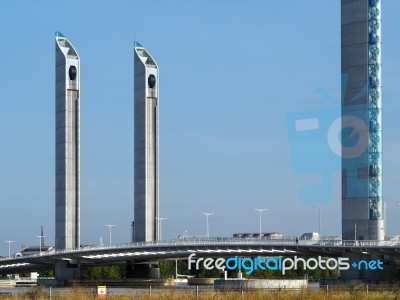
[{"x": 261, "y": 283}]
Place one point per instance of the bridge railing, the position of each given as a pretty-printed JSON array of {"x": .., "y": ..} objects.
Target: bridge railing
[{"x": 221, "y": 242}]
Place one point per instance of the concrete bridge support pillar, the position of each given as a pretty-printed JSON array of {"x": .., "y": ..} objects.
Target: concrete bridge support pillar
[
  {"x": 141, "y": 269},
  {"x": 369, "y": 268},
  {"x": 67, "y": 270}
]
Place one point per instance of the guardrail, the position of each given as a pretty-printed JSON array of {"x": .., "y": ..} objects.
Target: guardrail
[{"x": 222, "y": 242}]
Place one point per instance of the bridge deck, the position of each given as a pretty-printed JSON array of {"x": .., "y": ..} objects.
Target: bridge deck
[{"x": 181, "y": 249}]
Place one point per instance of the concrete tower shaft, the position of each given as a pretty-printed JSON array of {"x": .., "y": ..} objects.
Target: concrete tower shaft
[
  {"x": 362, "y": 204},
  {"x": 146, "y": 86},
  {"x": 67, "y": 145}
]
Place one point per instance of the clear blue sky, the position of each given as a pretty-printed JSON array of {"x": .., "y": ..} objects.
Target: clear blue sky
[{"x": 231, "y": 73}]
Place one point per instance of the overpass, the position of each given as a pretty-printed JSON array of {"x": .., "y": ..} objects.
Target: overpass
[{"x": 216, "y": 247}]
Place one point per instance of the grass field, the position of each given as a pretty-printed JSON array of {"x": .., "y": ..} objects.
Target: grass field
[{"x": 82, "y": 294}]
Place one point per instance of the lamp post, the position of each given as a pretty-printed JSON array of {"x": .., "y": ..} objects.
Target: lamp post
[
  {"x": 40, "y": 242},
  {"x": 9, "y": 247},
  {"x": 355, "y": 231},
  {"x": 260, "y": 210},
  {"x": 159, "y": 223},
  {"x": 208, "y": 230},
  {"x": 110, "y": 228},
  {"x": 319, "y": 217}
]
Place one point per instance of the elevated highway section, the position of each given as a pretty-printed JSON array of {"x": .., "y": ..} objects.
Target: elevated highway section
[{"x": 181, "y": 249}]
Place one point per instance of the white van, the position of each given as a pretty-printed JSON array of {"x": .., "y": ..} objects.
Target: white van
[{"x": 313, "y": 236}]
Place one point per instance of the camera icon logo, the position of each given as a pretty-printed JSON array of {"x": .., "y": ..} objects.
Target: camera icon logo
[{"x": 320, "y": 139}]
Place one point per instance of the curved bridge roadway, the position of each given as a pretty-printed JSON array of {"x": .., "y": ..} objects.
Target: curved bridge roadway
[{"x": 181, "y": 249}]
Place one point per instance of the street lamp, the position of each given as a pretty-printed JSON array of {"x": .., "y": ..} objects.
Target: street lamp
[
  {"x": 40, "y": 242},
  {"x": 159, "y": 220},
  {"x": 109, "y": 228},
  {"x": 319, "y": 217},
  {"x": 260, "y": 210},
  {"x": 355, "y": 231},
  {"x": 208, "y": 230},
  {"x": 9, "y": 247}
]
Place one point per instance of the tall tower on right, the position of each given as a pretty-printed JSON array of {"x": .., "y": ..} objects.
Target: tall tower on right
[{"x": 362, "y": 204}]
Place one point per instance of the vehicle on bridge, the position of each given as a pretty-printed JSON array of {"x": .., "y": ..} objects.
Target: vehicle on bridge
[
  {"x": 266, "y": 235},
  {"x": 312, "y": 236}
]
